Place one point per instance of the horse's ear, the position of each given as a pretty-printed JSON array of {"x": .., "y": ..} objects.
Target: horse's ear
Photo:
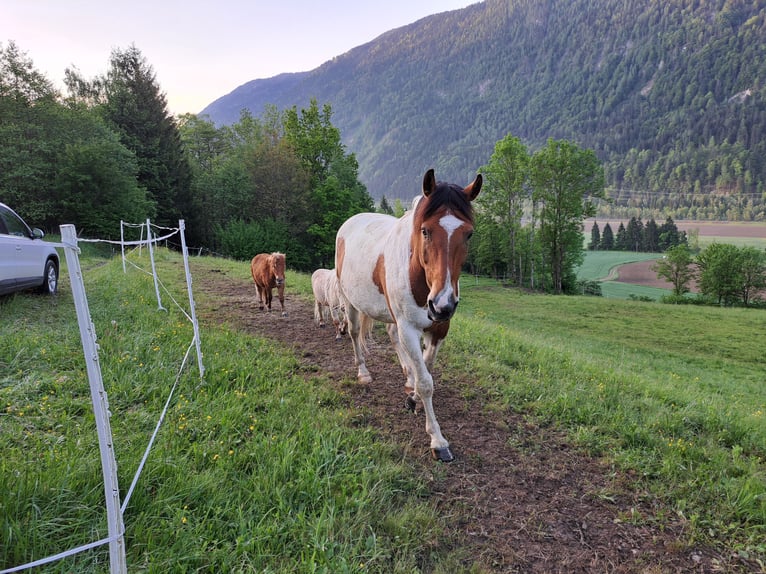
[
  {"x": 473, "y": 188},
  {"x": 429, "y": 182}
]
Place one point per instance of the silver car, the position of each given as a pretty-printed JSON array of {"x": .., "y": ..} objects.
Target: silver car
[{"x": 26, "y": 261}]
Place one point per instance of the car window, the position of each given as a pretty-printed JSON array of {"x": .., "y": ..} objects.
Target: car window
[{"x": 14, "y": 225}]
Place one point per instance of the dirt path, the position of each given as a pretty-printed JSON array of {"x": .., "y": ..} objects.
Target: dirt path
[{"x": 518, "y": 497}]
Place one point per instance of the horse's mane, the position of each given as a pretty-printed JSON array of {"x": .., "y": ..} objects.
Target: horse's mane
[{"x": 449, "y": 196}]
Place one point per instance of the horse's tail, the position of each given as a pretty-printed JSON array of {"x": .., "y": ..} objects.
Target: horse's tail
[{"x": 365, "y": 330}]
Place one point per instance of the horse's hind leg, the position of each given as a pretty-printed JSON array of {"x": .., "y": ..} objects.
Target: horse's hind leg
[
  {"x": 356, "y": 328},
  {"x": 319, "y": 313},
  {"x": 260, "y": 297},
  {"x": 340, "y": 327}
]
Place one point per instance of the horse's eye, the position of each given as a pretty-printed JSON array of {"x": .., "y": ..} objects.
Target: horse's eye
[
  {"x": 425, "y": 232},
  {"x": 469, "y": 235}
]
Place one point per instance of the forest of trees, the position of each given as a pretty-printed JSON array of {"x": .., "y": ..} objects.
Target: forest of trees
[
  {"x": 529, "y": 216},
  {"x": 110, "y": 151},
  {"x": 669, "y": 95},
  {"x": 649, "y": 238}
]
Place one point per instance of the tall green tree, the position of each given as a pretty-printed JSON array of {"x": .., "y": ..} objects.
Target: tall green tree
[
  {"x": 130, "y": 100},
  {"x": 719, "y": 272},
  {"x": 677, "y": 268},
  {"x": 31, "y": 135},
  {"x": 59, "y": 161},
  {"x": 752, "y": 272},
  {"x": 335, "y": 190},
  {"x": 635, "y": 234},
  {"x": 651, "y": 237},
  {"x": 607, "y": 238},
  {"x": 564, "y": 178},
  {"x": 668, "y": 235},
  {"x": 621, "y": 240},
  {"x": 96, "y": 185},
  {"x": 595, "y": 237},
  {"x": 505, "y": 195}
]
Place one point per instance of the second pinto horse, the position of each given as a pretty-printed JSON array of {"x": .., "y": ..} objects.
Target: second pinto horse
[{"x": 404, "y": 272}]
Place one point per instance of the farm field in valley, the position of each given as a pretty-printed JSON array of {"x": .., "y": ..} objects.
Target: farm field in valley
[{"x": 623, "y": 274}]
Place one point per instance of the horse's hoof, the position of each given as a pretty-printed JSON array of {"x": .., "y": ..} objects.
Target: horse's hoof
[
  {"x": 284, "y": 313},
  {"x": 364, "y": 379},
  {"x": 410, "y": 403},
  {"x": 442, "y": 454}
]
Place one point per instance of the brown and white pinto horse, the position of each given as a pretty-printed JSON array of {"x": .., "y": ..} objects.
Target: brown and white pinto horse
[
  {"x": 324, "y": 283},
  {"x": 268, "y": 270},
  {"x": 404, "y": 272}
]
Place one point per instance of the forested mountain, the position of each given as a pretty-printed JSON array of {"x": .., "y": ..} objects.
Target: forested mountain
[{"x": 668, "y": 94}]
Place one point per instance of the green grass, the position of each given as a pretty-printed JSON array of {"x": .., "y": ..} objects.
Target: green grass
[
  {"x": 258, "y": 469},
  {"x": 757, "y": 242},
  {"x": 619, "y": 290},
  {"x": 599, "y": 265},
  {"x": 254, "y": 469},
  {"x": 675, "y": 393}
]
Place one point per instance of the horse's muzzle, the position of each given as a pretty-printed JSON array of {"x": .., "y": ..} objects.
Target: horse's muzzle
[{"x": 443, "y": 313}]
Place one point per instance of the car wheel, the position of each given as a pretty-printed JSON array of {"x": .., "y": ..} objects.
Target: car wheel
[{"x": 51, "y": 282}]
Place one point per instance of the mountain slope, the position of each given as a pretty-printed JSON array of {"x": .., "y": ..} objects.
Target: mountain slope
[{"x": 669, "y": 94}]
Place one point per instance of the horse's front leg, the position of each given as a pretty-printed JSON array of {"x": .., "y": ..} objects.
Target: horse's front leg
[
  {"x": 409, "y": 385},
  {"x": 433, "y": 338},
  {"x": 281, "y": 293},
  {"x": 409, "y": 340}
]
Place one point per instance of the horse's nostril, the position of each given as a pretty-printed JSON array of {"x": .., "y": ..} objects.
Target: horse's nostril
[{"x": 443, "y": 313}]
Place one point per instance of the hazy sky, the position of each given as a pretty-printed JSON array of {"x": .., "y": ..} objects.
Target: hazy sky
[{"x": 201, "y": 50}]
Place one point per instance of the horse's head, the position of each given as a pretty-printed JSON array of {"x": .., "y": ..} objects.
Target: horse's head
[
  {"x": 278, "y": 268},
  {"x": 442, "y": 225}
]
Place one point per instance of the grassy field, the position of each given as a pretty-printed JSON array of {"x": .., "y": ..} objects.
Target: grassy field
[
  {"x": 675, "y": 392},
  {"x": 600, "y": 265},
  {"x": 254, "y": 469},
  {"x": 258, "y": 470}
]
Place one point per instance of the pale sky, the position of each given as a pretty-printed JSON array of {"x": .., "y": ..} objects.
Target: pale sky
[{"x": 201, "y": 50}]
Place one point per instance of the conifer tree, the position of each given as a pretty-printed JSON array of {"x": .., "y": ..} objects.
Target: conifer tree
[
  {"x": 607, "y": 238},
  {"x": 129, "y": 99},
  {"x": 595, "y": 238},
  {"x": 622, "y": 241}
]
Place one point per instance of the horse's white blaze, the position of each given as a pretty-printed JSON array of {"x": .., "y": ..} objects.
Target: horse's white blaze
[
  {"x": 444, "y": 296},
  {"x": 450, "y": 223}
]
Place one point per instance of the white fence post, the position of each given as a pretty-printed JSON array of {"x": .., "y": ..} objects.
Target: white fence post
[
  {"x": 117, "y": 561},
  {"x": 122, "y": 244},
  {"x": 150, "y": 239},
  {"x": 182, "y": 227}
]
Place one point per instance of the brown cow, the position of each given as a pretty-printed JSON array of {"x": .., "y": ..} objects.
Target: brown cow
[{"x": 268, "y": 271}]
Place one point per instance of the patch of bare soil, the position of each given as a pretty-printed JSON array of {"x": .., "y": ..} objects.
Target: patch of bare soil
[
  {"x": 519, "y": 497},
  {"x": 641, "y": 273}
]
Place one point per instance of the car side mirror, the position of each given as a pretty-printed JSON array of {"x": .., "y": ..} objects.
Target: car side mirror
[{"x": 38, "y": 233}]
